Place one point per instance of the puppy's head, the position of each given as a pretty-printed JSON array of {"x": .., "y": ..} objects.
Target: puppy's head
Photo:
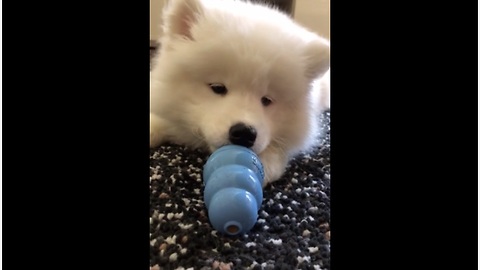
[{"x": 240, "y": 72}]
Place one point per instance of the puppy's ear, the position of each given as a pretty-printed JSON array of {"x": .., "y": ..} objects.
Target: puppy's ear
[
  {"x": 179, "y": 16},
  {"x": 317, "y": 57}
]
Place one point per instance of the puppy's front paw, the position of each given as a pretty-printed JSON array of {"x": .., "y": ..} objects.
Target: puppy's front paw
[
  {"x": 157, "y": 127},
  {"x": 274, "y": 164}
]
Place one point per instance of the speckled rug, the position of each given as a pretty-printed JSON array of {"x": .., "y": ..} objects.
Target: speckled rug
[{"x": 292, "y": 231}]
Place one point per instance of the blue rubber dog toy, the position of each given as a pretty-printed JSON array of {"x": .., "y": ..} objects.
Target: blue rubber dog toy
[{"x": 233, "y": 177}]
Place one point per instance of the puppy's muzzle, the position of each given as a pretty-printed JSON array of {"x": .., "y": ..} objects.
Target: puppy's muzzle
[{"x": 241, "y": 134}]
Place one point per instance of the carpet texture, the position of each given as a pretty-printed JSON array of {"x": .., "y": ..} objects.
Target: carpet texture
[{"x": 292, "y": 231}]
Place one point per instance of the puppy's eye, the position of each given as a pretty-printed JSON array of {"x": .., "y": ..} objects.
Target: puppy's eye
[
  {"x": 218, "y": 88},
  {"x": 266, "y": 101}
]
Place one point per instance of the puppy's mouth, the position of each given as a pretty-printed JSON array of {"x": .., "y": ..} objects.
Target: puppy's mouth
[
  {"x": 238, "y": 134},
  {"x": 213, "y": 148}
]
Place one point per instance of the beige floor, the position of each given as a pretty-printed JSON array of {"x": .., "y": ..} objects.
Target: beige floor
[{"x": 315, "y": 15}]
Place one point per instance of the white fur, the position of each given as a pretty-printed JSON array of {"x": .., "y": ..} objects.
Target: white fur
[{"x": 255, "y": 51}]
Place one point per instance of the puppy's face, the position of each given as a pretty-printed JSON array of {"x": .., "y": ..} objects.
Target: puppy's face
[{"x": 239, "y": 77}]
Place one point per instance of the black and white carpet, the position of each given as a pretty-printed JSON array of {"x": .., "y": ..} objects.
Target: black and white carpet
[{"x": 292, "y": 231}]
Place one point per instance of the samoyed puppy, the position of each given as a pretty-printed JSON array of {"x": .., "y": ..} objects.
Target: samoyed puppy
[{"x": 236, "y": 72}]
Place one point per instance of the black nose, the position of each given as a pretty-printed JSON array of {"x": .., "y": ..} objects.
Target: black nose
[{"x": 243, "y": 135}]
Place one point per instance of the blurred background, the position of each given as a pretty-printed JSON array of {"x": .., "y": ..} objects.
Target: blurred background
[{"x": 313, "y": 14}]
